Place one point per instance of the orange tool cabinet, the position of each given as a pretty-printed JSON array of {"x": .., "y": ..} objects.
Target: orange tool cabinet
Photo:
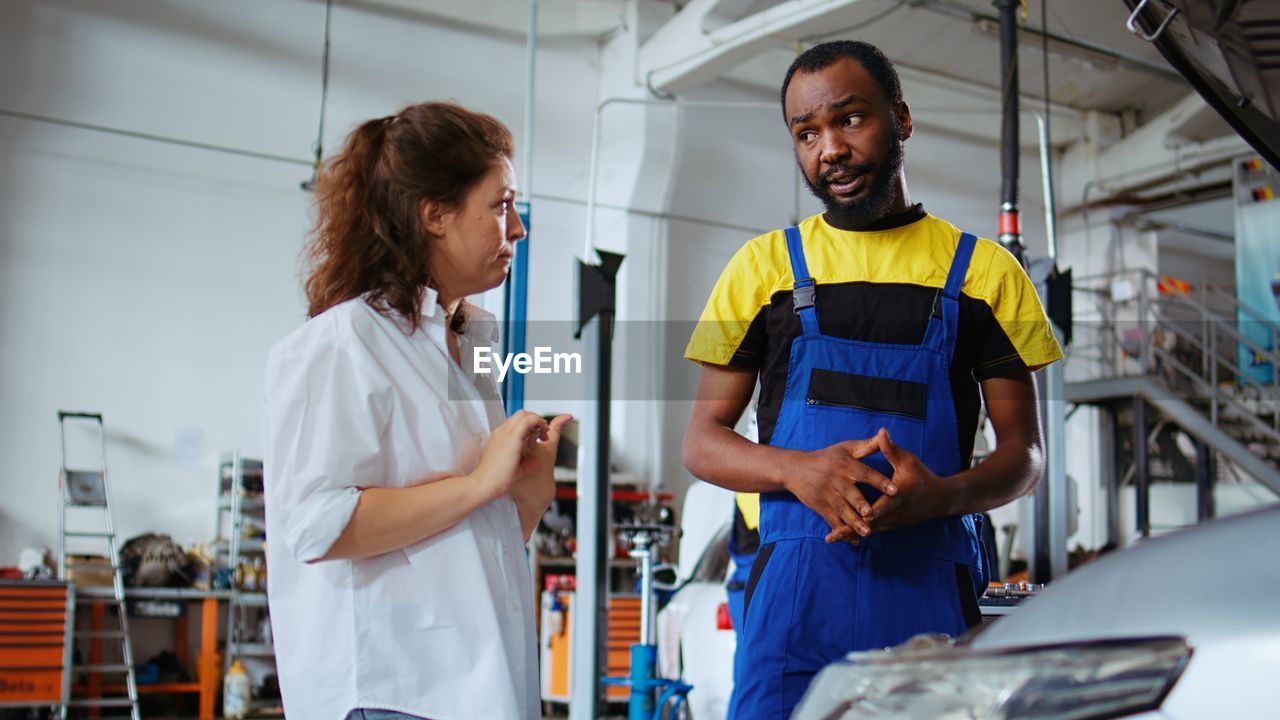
[
  {"x": 555, "y": 644},
  {"x": 35, "y": 642}
]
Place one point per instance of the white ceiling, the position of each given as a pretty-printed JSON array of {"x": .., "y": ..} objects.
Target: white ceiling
[{"x": 947, "y": 50}]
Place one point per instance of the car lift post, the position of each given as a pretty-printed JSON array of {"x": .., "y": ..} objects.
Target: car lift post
[{"x": 596, "y": 298}]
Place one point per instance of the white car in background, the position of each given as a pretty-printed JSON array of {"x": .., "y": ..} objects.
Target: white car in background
[
  {"x": 696, "y": 640},
  {"x": 1183, "y": 626}
]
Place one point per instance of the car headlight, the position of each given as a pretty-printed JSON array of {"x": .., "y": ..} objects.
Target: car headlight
[{"x": 1078, "y": 681}]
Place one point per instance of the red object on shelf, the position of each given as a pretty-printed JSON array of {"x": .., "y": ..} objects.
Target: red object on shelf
[
  {"x": 560, "y": 583},
  {"x": 570, "y": 493}
]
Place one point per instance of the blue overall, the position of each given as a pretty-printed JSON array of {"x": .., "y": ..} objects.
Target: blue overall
[{"x": 808, "y": 603}]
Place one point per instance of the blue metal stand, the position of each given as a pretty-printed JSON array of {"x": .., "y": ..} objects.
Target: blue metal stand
[
  {"x": 643, "y": 680},
  {"x": 644, "y": 686}
]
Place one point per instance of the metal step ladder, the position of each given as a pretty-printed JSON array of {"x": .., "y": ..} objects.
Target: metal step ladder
[{"x": 82, "y": 497}]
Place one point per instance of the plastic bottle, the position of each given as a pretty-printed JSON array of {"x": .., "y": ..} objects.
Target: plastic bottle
[{"x": 236, "y": 692}]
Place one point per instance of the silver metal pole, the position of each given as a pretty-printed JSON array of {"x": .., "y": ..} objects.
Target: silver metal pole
[
  {"x": 1055, "y": 388},
  {"x": 645, "y": 543},
  {"x": 531, "y": 52},
  {"x": 1046, "y": 182}
]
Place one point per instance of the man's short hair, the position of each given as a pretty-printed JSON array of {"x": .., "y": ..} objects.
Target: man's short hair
[{"x": 827, "y": 54}]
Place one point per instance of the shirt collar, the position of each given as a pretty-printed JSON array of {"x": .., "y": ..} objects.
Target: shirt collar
[
  {"x": 480, "y": 324},
  {"x": 430, "y": 308}
]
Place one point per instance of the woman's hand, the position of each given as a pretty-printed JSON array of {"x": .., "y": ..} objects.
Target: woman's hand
[
  {"x": 507, "y": 455},
  {"x": 536, "y": 486}
]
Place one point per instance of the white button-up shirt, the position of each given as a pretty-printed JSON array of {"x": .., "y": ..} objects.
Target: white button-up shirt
[{"x": 442, "y": 629}]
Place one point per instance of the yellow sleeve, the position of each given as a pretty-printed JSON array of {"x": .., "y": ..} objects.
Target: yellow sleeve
[
  {"x": 749, "y": 506},
  {"x": 738, "y": 296},
  {"x": 1016, "y": 306}
]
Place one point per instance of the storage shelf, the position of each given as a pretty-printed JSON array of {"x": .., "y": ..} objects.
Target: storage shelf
[
  {"x": 253, "y": 649},
  {"x": 143, "y": 689},
  {"x": 247, "y": 504},
  {"x": 559, "y": 562},
  {"x": 241, "y": 508},
  {"x": 152, "y": 688},
  {"x": 252, "y": 599},
  {"x": 252, "y": 545},
  {"x": 570, "y": 492},
  {"x": 144, "y": 593},
  {"x": 570, "y": 475}
]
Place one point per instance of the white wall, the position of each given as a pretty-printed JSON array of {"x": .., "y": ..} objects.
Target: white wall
[{"x": 147, "y": 281}]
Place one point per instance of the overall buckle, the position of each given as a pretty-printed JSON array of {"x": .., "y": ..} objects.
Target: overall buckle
[{"x": 804, "y": 295}]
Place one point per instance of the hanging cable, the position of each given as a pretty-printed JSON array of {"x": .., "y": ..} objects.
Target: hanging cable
[
  {"x": 152, "y": 138},
  {"x": 1050, "y": 230},
  {"x": 324, "y": 97},
  {"x": 1010, "y": 224}
]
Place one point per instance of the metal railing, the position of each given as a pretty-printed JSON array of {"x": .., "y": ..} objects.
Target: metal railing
[{"x": 1193, "y": 345}]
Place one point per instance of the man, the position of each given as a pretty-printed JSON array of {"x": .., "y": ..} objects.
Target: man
[{"x": 872, "y": 328}]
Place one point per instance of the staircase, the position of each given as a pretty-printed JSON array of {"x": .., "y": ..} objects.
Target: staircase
[{"x": 1168, "y": 358}]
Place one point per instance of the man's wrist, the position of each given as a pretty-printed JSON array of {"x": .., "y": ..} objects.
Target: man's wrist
[
  {"x": 950, "y": 499},
  {"x": 782, "y": 474}
]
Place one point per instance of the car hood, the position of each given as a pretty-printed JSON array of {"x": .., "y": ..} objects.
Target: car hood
[
  {"x": 1216, "y": 581},
  {"x": 1225, "y": 50}
]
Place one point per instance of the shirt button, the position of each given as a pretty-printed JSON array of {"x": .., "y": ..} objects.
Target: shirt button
[{"x": 515, "y": 608}]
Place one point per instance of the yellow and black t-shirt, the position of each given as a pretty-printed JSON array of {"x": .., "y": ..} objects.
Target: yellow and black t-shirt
[{"x": 875, "y": 286}]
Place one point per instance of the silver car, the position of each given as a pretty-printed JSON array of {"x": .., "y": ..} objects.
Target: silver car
[{"x": 1182, "y": 626}]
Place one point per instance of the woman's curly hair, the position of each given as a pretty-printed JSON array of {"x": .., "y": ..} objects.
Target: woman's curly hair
[{"x": 369, "y": 238}]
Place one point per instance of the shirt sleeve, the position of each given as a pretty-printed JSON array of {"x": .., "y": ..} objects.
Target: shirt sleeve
[
  {"x": 1016, "y": 334},
  {"x": 324, "y": 414},
  {"x": 730, "y": 330}
]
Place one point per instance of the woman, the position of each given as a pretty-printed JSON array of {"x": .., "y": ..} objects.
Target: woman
[{"x": 398, "y": 498}]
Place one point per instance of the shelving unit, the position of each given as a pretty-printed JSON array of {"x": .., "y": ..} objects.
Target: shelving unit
[
  {"x": 630, "y": 501},
  {"x": 241, "y": 553}
]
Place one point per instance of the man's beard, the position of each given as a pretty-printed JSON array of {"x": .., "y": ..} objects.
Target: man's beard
[{"x": 879, "y": 198}]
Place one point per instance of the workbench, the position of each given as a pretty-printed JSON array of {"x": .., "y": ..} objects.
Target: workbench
[{"x": 208, "y": 675}]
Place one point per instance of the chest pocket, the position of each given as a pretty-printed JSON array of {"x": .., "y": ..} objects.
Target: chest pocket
[
  {"x": 868, "y": 394},
  {"x": 847, "y": 406}
]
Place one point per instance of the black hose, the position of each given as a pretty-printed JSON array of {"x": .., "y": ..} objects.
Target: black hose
[{"x": 1010, "y": 226}]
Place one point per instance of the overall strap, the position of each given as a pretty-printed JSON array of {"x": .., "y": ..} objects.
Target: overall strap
[
  {"x": 959, "y": 266},
  {"x": 945, "y": 318},
  {"x": 805, "y": 294}
]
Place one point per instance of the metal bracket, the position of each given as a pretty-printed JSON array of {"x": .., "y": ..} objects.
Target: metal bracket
[{"x": 1132, "y": 24}]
